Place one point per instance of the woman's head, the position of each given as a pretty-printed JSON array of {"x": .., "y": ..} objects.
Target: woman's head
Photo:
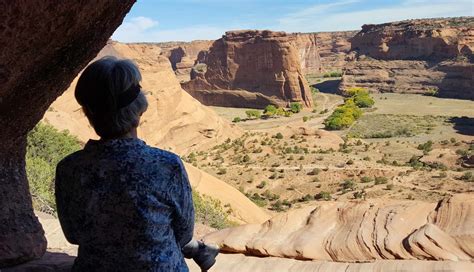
[{"x": 109, "y": 93}]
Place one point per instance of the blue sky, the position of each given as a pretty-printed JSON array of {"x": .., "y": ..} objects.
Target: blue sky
[{"x": 186, "y": 20}]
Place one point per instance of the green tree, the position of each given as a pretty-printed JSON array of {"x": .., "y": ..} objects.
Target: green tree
[
  {"x": 253, "y": 114},
  {"x": 296, "y": 107},
  {"x": 46, "y": 146},
  {"x": 270, "y": 110}
]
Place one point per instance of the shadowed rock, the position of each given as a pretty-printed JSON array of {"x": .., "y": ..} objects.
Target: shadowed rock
[{"x": 44, "y": 45}]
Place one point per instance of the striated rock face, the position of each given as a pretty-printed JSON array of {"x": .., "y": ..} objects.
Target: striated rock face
[
  {"x": 323, "y": 51},
  {"x": 264, "y": 62},
  {"x": 417, "y": 39},
  {"x": 43, "y": 47},
  {"x": 174, "y": 120},
  {"x": 361, "y": 231},
  {"x": 417, "y": 56}
]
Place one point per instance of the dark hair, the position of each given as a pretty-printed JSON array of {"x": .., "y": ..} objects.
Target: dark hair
[{"x": 99, "y": 91}]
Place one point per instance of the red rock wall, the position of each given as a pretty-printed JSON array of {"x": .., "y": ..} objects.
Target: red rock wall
[
  {"x": 264, "y": 62},
  {"x": 323, "y": 51},
  {"x": 44, "y": 45},
  {"x": 416, "y": 56}
]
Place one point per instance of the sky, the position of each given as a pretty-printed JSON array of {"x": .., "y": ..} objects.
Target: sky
[{"x": 186, "y": 20}]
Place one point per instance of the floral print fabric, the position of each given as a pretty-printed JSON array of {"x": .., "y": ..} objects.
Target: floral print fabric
[{"x": 127, "y": 205}]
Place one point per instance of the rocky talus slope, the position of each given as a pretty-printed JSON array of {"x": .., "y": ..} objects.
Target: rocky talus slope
[
  {"x": 362, "y": 231},
  {"x": 416, "y": 56},
  {"x": 263, "y": 62}
]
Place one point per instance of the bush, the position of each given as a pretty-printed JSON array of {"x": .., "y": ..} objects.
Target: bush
[
  {"x": 46, "y": 146},
  {"x": 209, "y": 211},
  {"x": 305, "y": 118},
  {"x": 348, "y": 184},
  {"x": 270, "y": 110},
  {"x": 365, "y": 179},
  {"x": 236, "y": 120},
  {"x": 467, "y": 176},
  {"x": 262, "y": 185},
  {"x": 426, "y": 147},
  {"x": 380, "y": 180},
  {"x": 279, "y": 136},
  {"x": 253, "y": 114},
  {"x": 344, "y": 116},
  {"x": 222, "y": 171},
  {"x": 296, "y": 107},
  {"x": 323, "y": 195}
]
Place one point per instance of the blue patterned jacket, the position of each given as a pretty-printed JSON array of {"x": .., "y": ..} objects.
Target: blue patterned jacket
[{"x": 127, "y": 205}]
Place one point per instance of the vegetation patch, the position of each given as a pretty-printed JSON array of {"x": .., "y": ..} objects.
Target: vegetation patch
[
  {"x": 344, "y": 116},
  {"x": 393, "y": 125},
  {"x": 209, "y": 211},
  {"x": 46, "y": 147}
]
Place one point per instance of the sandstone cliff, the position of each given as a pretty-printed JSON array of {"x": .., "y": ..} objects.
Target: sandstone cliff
[
  {"x": 184, "y": 55},
  {"x": 361, "y": 231},
  {"x": 174, "y": 120},
  {"x": 415, "y": 56},
  {"x": 263, "y": 62},
  {"x": 323, "y": 51}
]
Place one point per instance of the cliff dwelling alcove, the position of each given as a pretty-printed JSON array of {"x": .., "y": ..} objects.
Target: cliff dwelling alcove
[{"x": 44, "y": 46}]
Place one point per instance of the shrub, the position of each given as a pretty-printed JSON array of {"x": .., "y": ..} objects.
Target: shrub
[
  {"x": 305, "y": 118},
  {"x": 46, "y": 146},
  {"x": 467, "y": 176},
  {"x": 209, "y": 212},
  {"x": 323, "y": 195},
  {"x": 222, "y": 171},
  {"x": 279, "y": 136},
  {"x": 365, "y": 179},
  {"x": 270, "y": 110},
  {"x": 296, "y": 107},
  {"x": 257, "y": 199},
  {"x": 426, "y": 147},
  {"x": 245, "y": 158},
  {"x": 253, "y": 114},
  {"x": 236, "y": 120},
  {"x": 348, "y": 184},
  {"x": 380, "y": 180}
]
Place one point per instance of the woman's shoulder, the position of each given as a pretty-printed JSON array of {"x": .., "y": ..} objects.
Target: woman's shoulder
[{"x": 165, "y": 157}]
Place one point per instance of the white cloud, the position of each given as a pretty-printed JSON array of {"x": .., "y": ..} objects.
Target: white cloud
[
  {"x": 330, "y": 17},
  {"x": 144, "y": 29}
]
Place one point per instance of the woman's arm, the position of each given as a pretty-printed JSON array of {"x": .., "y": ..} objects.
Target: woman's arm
[
  {"x": 183, "y": 215},
  {"x": 64, "y": 206}
]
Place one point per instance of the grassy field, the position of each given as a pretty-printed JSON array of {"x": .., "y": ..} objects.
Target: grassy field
[{"x": 422, "y": 105}]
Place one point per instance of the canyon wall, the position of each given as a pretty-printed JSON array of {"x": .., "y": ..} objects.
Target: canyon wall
[
  {"x": 323, "y": 51},
  {"x": 184, "y": 55},
  {"x": 432, "y": 56},
  {"x": 43, "y": 48},
  {"x": 263, "y": 62}
]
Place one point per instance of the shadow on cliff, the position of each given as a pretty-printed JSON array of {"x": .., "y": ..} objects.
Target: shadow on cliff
[
  {"x": 463, "y": 125},
  {"x": 328, "y": 86}
]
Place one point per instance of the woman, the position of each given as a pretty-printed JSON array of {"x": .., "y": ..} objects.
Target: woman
[{"x": 127, "y": 205}]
